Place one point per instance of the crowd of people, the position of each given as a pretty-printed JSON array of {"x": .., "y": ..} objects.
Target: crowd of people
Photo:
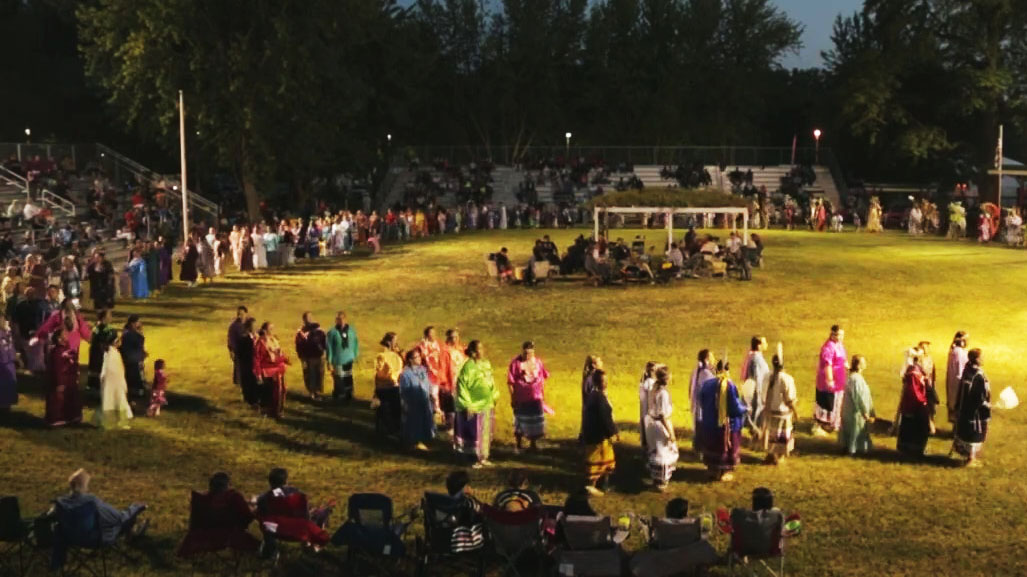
[{"x": 436, "y": 387}]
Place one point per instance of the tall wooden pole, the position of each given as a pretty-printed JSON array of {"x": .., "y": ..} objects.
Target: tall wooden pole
[
  {"x": 999, "y": 161},
  {"x": 183, "y": 189}
]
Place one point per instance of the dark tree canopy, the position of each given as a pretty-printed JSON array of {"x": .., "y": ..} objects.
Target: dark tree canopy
[{"x": 291, "y": 91}]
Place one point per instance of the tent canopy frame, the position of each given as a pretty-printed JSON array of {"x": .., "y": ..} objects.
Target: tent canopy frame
[{"x": 670, "y": 212}]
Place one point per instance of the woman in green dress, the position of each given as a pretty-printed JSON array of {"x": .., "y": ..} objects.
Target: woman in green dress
[
  {"x": 857, "y": 410},
  {"x": 476, "y": 396}
]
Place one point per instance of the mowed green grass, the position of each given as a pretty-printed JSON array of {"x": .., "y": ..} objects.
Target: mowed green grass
[{"x": 876, "y": 515}]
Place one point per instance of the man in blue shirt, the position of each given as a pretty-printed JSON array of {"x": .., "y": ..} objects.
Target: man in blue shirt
[{"x": 112, "y": 521}]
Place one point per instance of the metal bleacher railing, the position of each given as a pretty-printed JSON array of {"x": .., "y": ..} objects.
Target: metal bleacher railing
[
  {"x": 655, "y": 155},
  {"x": 55, "y": 202},
  {"x": 116, "y": 165}
]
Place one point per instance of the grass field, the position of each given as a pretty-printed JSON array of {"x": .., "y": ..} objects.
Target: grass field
[{"x": 871, "y": 516}]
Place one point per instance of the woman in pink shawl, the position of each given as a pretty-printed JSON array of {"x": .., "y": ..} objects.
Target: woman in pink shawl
[
  {"x": 67, "y": 329},
  {"x": 527, "y": 380},
  {"x": 831, "y": 378}
]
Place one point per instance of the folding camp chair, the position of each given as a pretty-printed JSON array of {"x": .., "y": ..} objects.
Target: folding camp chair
[
  {"x": 286, "y": 519},
  {"x": 78, "y": 542},
  {"x": 373, "y": 537},
  {"x": 448, "y": 537},
  {"x": 15, "y": 534},
  {"x": 217, "y": 534},
  {"x": 757, "y": 539},
  {"x": 676, "y": 547},
  {"x": 590, "y": 547},
  {"x": 515, "y": 536}
]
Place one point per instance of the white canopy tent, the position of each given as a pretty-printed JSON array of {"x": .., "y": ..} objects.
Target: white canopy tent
[{"x": 670, "y": 212}]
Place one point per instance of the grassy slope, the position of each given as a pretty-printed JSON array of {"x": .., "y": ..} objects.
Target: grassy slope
[{"x": 873, "y": 515}]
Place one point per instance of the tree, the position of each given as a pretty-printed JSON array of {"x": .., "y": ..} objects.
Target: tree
[
  {"x": 922, "y": 85},
  {"x": 272, "y": 88}
]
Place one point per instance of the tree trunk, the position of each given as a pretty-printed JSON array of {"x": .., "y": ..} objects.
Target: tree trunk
[
  {"x": 249, "y": 189},
  {"x": 248, "y": 178}
]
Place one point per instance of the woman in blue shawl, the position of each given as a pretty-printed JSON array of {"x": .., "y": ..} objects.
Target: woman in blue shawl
[{"x": 418, "y": 409}]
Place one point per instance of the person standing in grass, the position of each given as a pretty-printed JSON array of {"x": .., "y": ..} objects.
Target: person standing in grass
[
  {"x": 661, "y": 441},
  {"x": 102, "y": 333},
  {"x": 723, "y": 415},
  {"x": 644, "y": 386},
  {"x": 65, "y": 329},
  {"x": 857, "y": 410},
  {"x": 418, "y": 405},
  {"x": 269, "y": 366},
  {"x": 101, "y": 282},
  {"x": 245, "y": 349},
  {"x": 235, "y": 332},
  {"x": 475, "y": 403},
  {"x": 702, "y": 373},
  {"x": 133, "y": 352},
  {"x": 342, "y": 353},
  {"x": 388, "y": 366},
  {"x": 136, "y": 267},
  {"x": 114, "y": 411},
  {"x": 974, "y": 411},
  {"x": 831, "y": 378},
  {"x": 755, "y": 369},
  {"x": 777, "y": 418},
  {"x": 598, "y": 433},
  {"x": 954, "y": 373},
  {"x": 914, "y": 421},
  {"x": 310, "y": 348},
  {"x": 432, "y": 360},
  {"x": 526, "y": 378},
  {"x": 593, "y": 363},
  {"x": 187, "y": 272},
  {"x": 453, "y": 351}
]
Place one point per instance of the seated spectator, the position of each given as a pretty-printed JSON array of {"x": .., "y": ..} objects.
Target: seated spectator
[
  {"x": 218, "y": 519},
  {"x": 577, "y": 503},
  {"x": 30, "y": 214},
  {"x": 676, "y": 258},
  {"x": 458, "y": 487},
  {"x": 734, "y": 243},
  {"x": 677, "y": 508},
  {"x": 113, "y": 523},
  {"x": 285, "y": 514},
  {"x": 709, "y": 246},
  {"x": 517, "y": 497}
]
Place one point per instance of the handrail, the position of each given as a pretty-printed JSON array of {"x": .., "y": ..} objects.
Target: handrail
[
  {"x": 57, "y": 201},
  {"x": 195, "y": 200},
  {"x": 840, "y": 183},
  {"x": 13, "y": 178}
]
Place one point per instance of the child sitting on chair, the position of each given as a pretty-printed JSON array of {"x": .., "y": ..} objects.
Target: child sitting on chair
[{"x": 158, "y": 395}]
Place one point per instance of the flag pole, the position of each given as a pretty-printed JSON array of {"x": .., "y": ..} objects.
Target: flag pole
[
  {"x": 183, "y": 190},
  {"x": 999, "y": 160}
]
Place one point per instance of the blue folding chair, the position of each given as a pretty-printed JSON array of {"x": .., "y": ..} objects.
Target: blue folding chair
[
  {"x": 449, "y": 538},
  {"x": 15, "y": 535},
  {"x": 373, "y": 536},
  {"x": 78, "y": 542}
]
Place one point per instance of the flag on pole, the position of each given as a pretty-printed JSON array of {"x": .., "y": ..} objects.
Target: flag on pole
[{"x": 795, "y": 144}]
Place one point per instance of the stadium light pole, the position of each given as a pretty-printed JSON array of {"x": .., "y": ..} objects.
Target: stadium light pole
[
  {"x": 28, "y": 135},
  {"x": 816, "y": 137},
  {"x": 184, "y": 190},
  {"x": 567, "y": 151}
]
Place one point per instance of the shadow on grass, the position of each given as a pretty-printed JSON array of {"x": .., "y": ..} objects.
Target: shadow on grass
[
  {"x": 181, "y": 402},
  {"x": 879, "y": 453},
  {"x": 17, "y": 420}
]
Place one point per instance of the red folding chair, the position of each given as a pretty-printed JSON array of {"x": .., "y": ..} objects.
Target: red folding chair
[{"x": 218, "y": 533}]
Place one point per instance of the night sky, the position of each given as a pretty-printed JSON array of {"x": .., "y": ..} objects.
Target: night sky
[{"x": 818, "y": 17}]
